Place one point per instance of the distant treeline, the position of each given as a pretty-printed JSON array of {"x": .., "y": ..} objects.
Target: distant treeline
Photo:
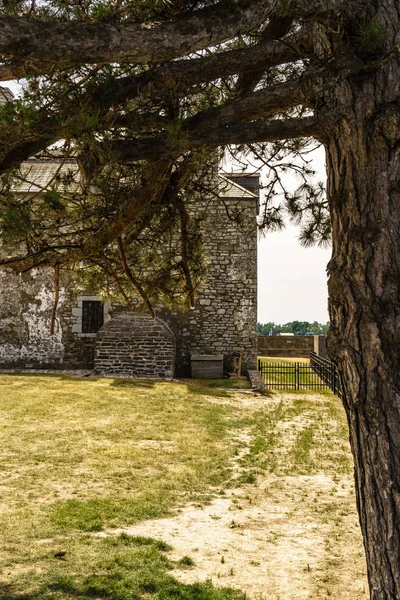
[{"x": 296, "y": 327}]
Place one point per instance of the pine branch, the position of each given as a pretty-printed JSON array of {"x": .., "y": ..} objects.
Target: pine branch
[
  {"x": 131, "y": 277},
  {"x": 255, "y": 131},
  {"x": 153, "y": 186},
  {"x": 108, "y": 268},
  {"x": 101, "y": 42}
]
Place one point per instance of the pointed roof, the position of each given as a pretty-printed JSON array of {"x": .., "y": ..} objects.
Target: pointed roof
[
  {"x": 231, "y": 189},
  {"x": 37, "y": 174},
  {"x": 6, "y": 95}
]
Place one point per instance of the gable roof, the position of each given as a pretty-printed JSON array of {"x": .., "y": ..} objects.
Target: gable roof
[
  {"x": 231, "y": 189},
  {"x": 6, "y": 95},
  {"x": 37, "y": 174}
]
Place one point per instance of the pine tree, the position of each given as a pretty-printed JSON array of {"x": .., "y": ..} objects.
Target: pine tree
[{"x": 106, "y": 87}]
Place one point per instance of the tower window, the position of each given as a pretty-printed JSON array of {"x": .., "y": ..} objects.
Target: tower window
[{"x": 92, "y": 316}]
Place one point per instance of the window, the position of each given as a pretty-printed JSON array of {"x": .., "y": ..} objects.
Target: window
[
  {"x": 89, "y": 315},
  {"x": 92, "y": 316}
]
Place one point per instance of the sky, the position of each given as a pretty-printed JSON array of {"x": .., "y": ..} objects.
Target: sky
[
  {"x": 292, "y": 284},
  {"x": 292, "y": 281}
]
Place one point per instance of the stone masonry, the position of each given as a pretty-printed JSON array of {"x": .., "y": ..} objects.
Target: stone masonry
[
  {"x": 223, "y": 321},
  {"x": 26, "y": 304},
  {"x": 25, "y": 312},
  {"x": 135, "y": 345},
  {"x": 293, "y": 346}
]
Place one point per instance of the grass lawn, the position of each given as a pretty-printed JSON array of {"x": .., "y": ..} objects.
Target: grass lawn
[
  {"x": 284, "y": 359},
  {"x": 82, "y": 455}
]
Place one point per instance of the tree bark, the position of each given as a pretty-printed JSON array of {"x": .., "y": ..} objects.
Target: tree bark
[
  {"x": 100, "y": 42},
  {"x": 267, "y": 53},
  {"x": 363, "y": 162},
  {"x": 243, "y": 133}
]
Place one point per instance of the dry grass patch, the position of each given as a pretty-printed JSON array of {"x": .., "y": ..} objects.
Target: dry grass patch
[
  {"x": 283, "y": 359},
  {"x": 287, "y": 528},
  {"x": 83, "y": 456}
]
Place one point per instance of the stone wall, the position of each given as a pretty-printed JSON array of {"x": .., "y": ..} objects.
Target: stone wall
[
  {"x": 320, "y": 346},
  {"x": 224, "y": 320},
  {"x": 135, "y": 345},
  {"x": 292, "y": 346},
  {"x": 281, "y": 345},
  {"x": 26, "y": 304}
]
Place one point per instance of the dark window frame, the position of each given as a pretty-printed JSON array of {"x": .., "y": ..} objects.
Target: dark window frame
[{"x": 92, "y": 316}]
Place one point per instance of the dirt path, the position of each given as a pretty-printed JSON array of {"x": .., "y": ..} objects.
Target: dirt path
[{"x": 282, "y": 538}]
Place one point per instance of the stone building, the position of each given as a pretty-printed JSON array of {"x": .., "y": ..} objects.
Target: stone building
[{"x": 90, "y": 333}]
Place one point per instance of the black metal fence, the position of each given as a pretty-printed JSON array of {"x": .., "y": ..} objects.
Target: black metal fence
[
  {"x": 328, "y": 372},
  {"x": 318, "y": 375}
]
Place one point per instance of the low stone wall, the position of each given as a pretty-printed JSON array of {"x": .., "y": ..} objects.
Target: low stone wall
[
  {"x": 132, "y": 344},
  {"x": 291, "y": 345}
]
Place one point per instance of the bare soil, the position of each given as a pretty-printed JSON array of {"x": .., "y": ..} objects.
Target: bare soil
[{"x": 282, "y": 538}]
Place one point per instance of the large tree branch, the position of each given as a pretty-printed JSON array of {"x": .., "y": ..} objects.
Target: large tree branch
[
  {"x": 277, "y": 28},
  {"x": 240, "y": 133},
  {"x": 176, "y": 75},
  {"x": 264, "y": 102},
  {"x": 253, "y": 106},
  {"x": 267, "y": 53},
  {"x": 80, "y": 43},
  {"x": 89, "y": 43},
  {"x": 271, "y": 131}
]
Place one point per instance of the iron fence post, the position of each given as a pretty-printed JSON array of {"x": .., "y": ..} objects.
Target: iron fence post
[
  {"x": 280, "y": 375},
  {"x": 334, "y": 379}
]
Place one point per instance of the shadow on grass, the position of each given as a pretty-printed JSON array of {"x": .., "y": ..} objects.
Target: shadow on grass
[
  {"x": 36, "y": 374},
  {"x": 268, "y": 393},
  {"x": 132, "y": 382},
  {"x": 203, "y": 390},
  {"x": 127, "y": 382}
]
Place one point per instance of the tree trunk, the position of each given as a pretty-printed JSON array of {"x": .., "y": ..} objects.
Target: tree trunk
[{"x": 363, "y": 163}]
